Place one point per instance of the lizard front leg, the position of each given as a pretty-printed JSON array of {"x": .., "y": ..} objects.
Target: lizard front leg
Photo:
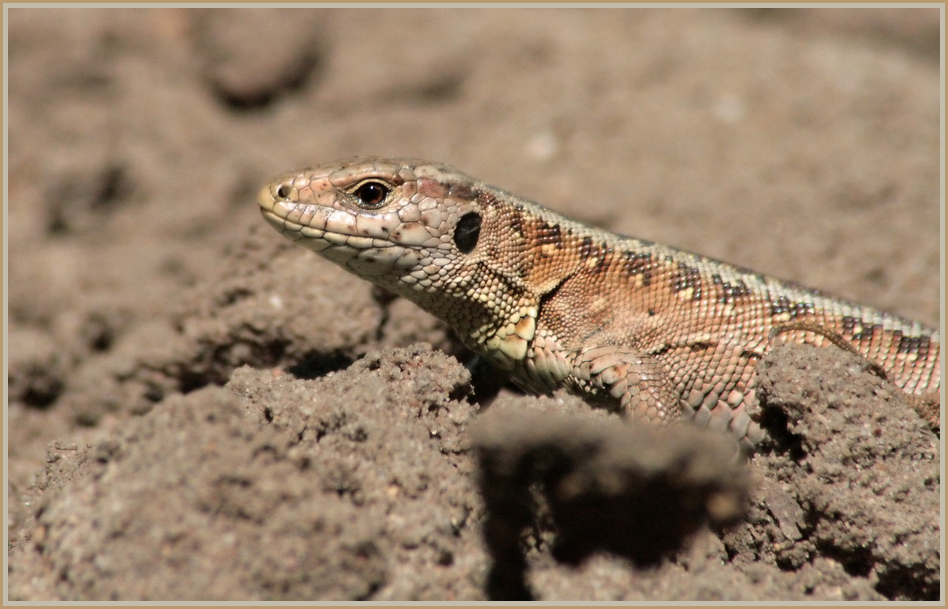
[{"x": 640, "y": 382}]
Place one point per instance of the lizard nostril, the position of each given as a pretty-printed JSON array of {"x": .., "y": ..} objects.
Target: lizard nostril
[{"x": 283, "y": 191}]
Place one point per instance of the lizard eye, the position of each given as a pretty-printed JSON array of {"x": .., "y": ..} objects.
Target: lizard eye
[
  {"x": 467, "y": 232},
  {"x": 371, "y": 193}
]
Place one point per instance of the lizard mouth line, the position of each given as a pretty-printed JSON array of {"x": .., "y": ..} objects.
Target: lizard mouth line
[
  {"x": 281, "y": 223},
  {"x": 343, "y": 245},
  {"x": 312, "y": 238},
  {"x": 286, "y": 219}
]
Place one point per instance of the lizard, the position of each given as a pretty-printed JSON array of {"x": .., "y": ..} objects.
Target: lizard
[{"x": 659, "y": 333}]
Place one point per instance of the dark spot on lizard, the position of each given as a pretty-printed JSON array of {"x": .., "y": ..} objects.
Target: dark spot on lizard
[
  {"x": 488, "y": 200},
  {"x": 638, "y": 264},
  {"x": 549, "y": 235},
  {"x": 794, "y": 309},
  {"x": 730, "y": 291},
  {"x": 586, "y": 249},
  {"x": 850, "y": 324},
  {"x": 589, "y": 250},
  {"x": 687, "y": 277},
  {"x": 605, "y": 257},
  {"x": 914, "y": 344},
  {"x": 740, "y": 289},
  {"x": 467, "y": 232}
]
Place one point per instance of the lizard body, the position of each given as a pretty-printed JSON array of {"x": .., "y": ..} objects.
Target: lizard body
[{"x": 654, "y": 330}]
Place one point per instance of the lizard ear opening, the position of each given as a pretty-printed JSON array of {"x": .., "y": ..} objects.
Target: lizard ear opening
[{"x": 467, "y": 231}]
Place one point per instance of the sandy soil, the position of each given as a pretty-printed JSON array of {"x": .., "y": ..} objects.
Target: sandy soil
[{"x": 200, "y": 410}]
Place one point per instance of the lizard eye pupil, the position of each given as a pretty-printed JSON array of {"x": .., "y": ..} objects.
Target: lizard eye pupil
[
  {"x": 467, "y": 232},
  {"x": 371, "y": 194}
]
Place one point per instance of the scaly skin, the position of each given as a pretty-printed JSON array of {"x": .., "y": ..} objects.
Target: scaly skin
[{"x": 649, "y": 328}]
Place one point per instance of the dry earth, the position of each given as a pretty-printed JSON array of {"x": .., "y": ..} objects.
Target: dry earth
[{"x": 199, "y": 410}]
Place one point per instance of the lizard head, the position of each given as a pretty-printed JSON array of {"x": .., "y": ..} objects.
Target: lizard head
[
  {"x": 471, "y": 254},
  {"x": 412, "y": 227}
]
